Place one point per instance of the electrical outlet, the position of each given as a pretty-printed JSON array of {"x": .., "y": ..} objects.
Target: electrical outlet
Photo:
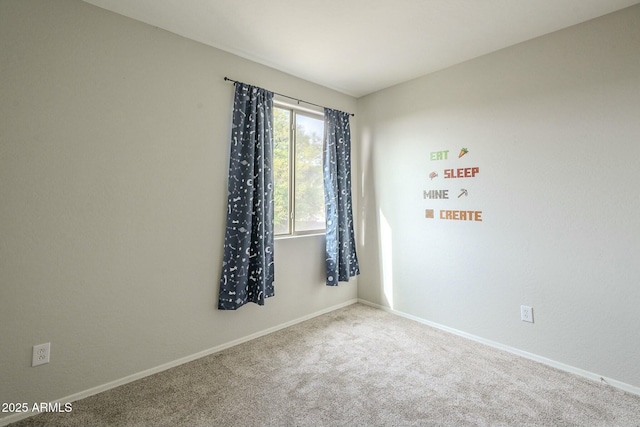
[
  {"x": 41, "y": 354},
  {"x": 526, "y": 313}
]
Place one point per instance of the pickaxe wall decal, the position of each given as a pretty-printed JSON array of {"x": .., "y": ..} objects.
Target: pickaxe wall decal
[{"x": 463, "y": 192}]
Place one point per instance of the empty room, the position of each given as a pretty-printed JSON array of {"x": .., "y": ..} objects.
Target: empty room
[{"x": 332, "y": 213}]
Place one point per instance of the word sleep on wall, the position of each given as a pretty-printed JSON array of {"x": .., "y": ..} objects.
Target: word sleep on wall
[{"x": 444, "y": 193}]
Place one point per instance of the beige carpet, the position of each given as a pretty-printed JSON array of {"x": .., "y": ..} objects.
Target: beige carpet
[{"x": 356, "y": 366}]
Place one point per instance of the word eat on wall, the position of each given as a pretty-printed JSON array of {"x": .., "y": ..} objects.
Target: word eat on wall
[{"x": 450, "y": 185}]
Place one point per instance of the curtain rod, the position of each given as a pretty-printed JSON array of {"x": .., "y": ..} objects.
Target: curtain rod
[{"x": 227, "y": 79}]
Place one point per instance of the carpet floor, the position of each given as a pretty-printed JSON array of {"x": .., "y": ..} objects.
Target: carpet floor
[{"x": 357, "y": 366}]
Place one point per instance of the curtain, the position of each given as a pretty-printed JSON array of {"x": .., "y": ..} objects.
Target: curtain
[
  {"x": 341, "y": 258},
  {"x": 247, "y": 268}
]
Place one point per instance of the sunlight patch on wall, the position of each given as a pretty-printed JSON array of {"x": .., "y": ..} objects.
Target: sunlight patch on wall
[{"x": 386, "y": 259}]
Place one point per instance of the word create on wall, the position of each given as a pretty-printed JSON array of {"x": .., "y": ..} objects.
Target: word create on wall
[{"x": 455, "y": 213}]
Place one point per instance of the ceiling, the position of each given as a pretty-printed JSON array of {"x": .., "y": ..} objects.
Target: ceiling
[{"x": 360, "y": 46}]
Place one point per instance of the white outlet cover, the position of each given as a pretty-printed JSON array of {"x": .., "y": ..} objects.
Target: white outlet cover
[
  {"x": 526, "y": 313},
  {"x": 41, "y": 354}
]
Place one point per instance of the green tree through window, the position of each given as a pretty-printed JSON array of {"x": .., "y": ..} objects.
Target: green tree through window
[
  {"x": 297, "y": 168},
  {"x": 282, "y": 143}
]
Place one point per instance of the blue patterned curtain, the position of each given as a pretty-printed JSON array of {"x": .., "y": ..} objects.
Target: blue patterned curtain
[
  {"x": 342, "y": 261},
  {"x": 247, "y": 269}
]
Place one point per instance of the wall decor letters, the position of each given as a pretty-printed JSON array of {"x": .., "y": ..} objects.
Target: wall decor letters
[
  {"x": 468, "y": 173},
  {"x": 439, "y": 155},
  {"x": 436, "y": 194},
  {"x": 461, "y": 172}
]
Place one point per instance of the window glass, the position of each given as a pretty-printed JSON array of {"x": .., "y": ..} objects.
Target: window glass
[
  {"x": 281, "y": 172},
  {"x": 297, "y": 172},
  {"x": 309, "y": 187}
]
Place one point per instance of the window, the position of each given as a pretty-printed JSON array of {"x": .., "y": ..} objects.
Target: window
[{"x": 297, "y": 171}]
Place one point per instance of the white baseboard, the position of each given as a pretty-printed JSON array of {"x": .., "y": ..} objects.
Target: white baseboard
[
  {"x": 130, "y": 378},
  {"x": 558, "y": 365}
]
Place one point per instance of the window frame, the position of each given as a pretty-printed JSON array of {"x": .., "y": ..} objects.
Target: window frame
[{"x": 294, "y": 110}]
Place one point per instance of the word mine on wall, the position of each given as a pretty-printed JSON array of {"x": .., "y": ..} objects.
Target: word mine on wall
[{"x": 450, "y": 187}]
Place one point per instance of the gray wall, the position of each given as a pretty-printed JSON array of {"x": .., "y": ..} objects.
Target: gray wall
[
  {"x": 113, "y": 163},
  {"x": 554, "y": 126}
]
